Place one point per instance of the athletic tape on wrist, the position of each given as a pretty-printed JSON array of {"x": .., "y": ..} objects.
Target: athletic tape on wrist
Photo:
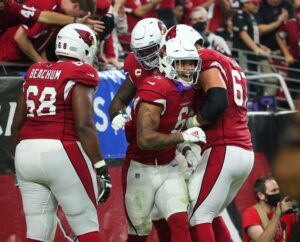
[
  {"x": 185, "y": 136},
  {"x": 278, "y": 213},
  {"x": 99, "y": 164}
]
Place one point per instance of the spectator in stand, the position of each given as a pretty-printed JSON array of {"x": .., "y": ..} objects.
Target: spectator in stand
[
  {"x": 121, "y": 27},
  {"x": 135, "y": 11},
  {"x": 179, "y": 11},
  {"x": 28, "y": 42},
  {"x": 246, "y": 34},
  {"x": 226, "y": 30},
  {"x": 2, "y": 4},
  {"x": 165, "y": 12},
  {"x": 114, "y": 19},
  {"x": 215, "y": 9},
  {"x": 269, "y": 219},
  {"x": 103, "y": 14},
  {"x": 120, "y": 16},
  {"x": 270, "y": 16},
  {"x": 199, "y": 22},
  {"x": 14, "y": 14},
  {"x": 296, "y": 5},
  {"x": 235, "y": 4},
  {"x": 288, "y": 39},
  {"x": 246, "y": 38}
]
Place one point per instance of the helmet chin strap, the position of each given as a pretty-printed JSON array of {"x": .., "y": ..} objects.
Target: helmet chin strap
[
  {"x": 151, "y": 64},
  {"x": 181, "y": 87}
]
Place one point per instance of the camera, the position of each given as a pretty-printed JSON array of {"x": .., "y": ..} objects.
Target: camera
[{"x": 292, "y": 210}]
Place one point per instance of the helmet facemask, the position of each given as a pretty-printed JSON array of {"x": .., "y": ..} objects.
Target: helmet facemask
[
  {"x": 147, "y": 56},
  {"x": 186, "y": 72}
]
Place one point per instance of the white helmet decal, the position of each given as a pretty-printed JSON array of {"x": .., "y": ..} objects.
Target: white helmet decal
[{"x": 183, "y": 31}]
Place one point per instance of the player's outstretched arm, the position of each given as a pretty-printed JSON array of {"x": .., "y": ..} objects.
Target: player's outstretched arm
[{"x": 50, "y": 17}]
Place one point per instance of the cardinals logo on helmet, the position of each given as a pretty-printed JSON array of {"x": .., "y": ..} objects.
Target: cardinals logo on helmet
[
  {"x": 162, "y": 27},
  {"x": 163, "y": 51},
  {"x": 86, "y": 36},
  {"x": 171, "y": 33}
]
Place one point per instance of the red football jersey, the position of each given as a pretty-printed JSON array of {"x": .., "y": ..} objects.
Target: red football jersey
[
  {"x": 167, "y": 4},
  {"x": 176, "y": 107},
  {"x": 232, "y": 127},
  {"x": 137, "y": 75},
  {"x": 15, "y": 13},
  {"x": 48, "y": 91},
  {"x": 135, "y": 70}
]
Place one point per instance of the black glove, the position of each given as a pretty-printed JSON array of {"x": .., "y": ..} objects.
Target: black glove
[
  {"x": 109, "y": 24},
  {"x": 104, "y": 183}
]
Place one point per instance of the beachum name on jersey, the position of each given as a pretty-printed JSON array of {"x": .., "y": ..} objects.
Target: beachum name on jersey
[{"x": 45, "y": 74}]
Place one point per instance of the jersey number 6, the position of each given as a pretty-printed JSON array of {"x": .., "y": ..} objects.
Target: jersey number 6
[{"x": 238, "y": 91}]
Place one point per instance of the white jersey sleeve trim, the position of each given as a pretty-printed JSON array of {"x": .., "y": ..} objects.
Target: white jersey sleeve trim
[{"x": 68, "y": 88}]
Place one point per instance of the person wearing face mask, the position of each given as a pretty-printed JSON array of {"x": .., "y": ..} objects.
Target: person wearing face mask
[
  {"x": 199, "y": 21},
  {"x": 272, "y": 217}
]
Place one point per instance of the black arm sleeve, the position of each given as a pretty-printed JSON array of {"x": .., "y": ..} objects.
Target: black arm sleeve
[{"x": 215, "y": 104}]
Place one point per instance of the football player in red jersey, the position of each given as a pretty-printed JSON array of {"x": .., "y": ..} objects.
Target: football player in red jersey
[
  {"x": 14, "y": 13},
  {"x": 227, "y": 157},
  {"x": 183, "y": 31},
  {"x": 161, "y": 107},
  {"x": 56, "y": 143},
  {"x": 139, "y": 65}
]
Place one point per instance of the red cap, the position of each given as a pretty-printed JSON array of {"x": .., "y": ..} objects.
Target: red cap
[
  {"x": 256, "y": 1},
  {"x": 103, "y": 6}
]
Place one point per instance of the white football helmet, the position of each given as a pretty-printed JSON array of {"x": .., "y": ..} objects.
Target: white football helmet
[
  {"x": 179, "y": 61},
  {"x": 145, "y": 40},
  {"x": 183, "y": 31},
  {"x": 76, "y": 41}
]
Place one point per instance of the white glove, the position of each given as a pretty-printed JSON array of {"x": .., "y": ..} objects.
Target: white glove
[
  {"x": 192, "y": 122},
  {"x": 119, "y": 121},
  {"x": 182, "y": 146},
  {"x": 195, "y": 134},
  {"x": 192, "y": 163},
  {"x": 191, "y": 159}
]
